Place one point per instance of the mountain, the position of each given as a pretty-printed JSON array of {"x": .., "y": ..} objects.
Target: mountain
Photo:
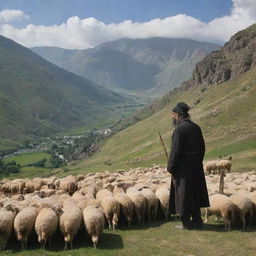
[
  {"x": 38, "y": 98},
  {"x": 225, "y": 109},
  {"x": 148, "y": 67}
]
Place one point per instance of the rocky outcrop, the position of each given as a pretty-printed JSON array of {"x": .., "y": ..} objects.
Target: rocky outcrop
[{"x": 234, "y": 58}]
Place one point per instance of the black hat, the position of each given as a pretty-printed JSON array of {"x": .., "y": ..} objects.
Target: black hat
[{"x": 181, "y": 108}]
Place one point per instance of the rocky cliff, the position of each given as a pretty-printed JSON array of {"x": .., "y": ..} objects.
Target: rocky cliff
[{"x": 234, "y": 58}]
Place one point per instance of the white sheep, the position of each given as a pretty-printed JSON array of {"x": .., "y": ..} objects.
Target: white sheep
[
  {"x": 6, "y": 226},
  {"x": 211, "y": 167},
  {"x": 152, "y": 203},
  {"x": 101, "y": 194},
  {"x": 246, "y": 207},
  {"x": 163, "y": 194},
  {"x": 46, "y": 224},
  {"x": 224, "y": 165},
  {"x": 70, "y": 222},
  {"x": 222, "y": 206},
  {"x": 94, "y": 222},
  {"x": 139, "y": 202},
  {"x": 67, "y": 184},
  {"x": 24, "y": 223},
  {"x": 127, "y": 207},
  {"x": 111, "y": 209}
]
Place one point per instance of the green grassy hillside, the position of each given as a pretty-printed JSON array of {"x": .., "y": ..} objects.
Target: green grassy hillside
[
  {"x": 38, "y": 98},
  {"x": 226, "y": 113}
]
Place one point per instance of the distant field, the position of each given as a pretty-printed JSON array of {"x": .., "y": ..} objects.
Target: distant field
[
  {"x": 159, "y": 238},
  {"x": 31, "y": 171},
  {"x": 28, "y": 158}
]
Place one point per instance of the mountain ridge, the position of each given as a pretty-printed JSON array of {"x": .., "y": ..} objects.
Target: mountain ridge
[{"x": 143, "y": 66}]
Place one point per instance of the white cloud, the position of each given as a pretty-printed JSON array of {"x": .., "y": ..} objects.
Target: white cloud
[
  {"x": 84, "y": 33},
  {"x": 9, "y": 15}
]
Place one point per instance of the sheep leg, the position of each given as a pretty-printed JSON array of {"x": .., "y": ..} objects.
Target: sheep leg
[
  {"x": 66, "y": 246},
  {"x": 227, "y": 224},
  {"x": 114, "y": 221},
  {"x": 109, "y": 223},
  {"x": 149, "y": 213},
  {"x": 206, "y": 215},
  {"x": 22, "y": 245},
  {"x": 243, "y": 220},
  {"x": 138, "y": 216},
  {"x": 155, "y": 213},
  {"x": 50, "y": 242}
]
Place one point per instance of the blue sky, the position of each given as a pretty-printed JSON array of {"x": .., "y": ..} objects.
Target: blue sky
[
  {"x": 81, "y": 24},
  {"x": 49, "y": 12}
]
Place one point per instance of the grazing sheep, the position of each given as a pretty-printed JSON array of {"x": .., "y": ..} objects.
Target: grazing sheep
[
  {"x": 24, "y": 223},
  {"x": 94, "y": 222},
  {"x": 126, "y": 205},
  {"x": 224, "y": 165},
  {"x": 211, "y": 167},
  {"x": 111, "y": 209},
  {"x": 152, "y": 203},
  {"x": 222, "y": 206},
  {"x": 163, "y": 194},
  {"x": 67, "y": 185},
  {"x": 101, "y": 194},
  {"x": 245, "y": 206},
  {"x": 139, "y": 202},
  {"x": 70, "y": 222},
  {"x": 6, "y": 226},
  {"x": 46, "y": 224}
]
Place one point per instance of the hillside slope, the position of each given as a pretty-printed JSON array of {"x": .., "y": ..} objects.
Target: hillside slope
[
  {"x": 38, "y": 98},
  {"x": 149, "y": 67},
  {"x": 225, "y": 111}
]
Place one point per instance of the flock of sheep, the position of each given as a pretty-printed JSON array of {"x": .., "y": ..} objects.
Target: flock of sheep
[
  {"x": 84, "y": 201},
  {"x": 93, "y": 201}
]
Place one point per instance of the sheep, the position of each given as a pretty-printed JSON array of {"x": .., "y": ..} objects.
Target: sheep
[
  {"x": 163, "y": 195},
  {"x": 140, "y": 203},
  {"x": 152, "y": 203},
  {"x": 101, "y": 194},
  {"x": 126, "y": 205},
  {"x": 94, "y": 222},
  {"x": 70, "y": 222},
  {"x": 46, "y": 192},
  {"x": 34, "y": 185},
  {"x": 211, "y": 167},
  {"x": 246, "y": 207},
  {"x": 24, "y": 223},
  {"x": 111, "y": 209},
  {"x": 224, "y": 165},
  {"x": 6, "y": 225},
  {"x": 222, "y": 206},
  {"x": 66, "y": 185},
  {"x": 46, "y": 224}
]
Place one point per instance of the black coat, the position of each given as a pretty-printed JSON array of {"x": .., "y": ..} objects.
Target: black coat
[{"x": 188, "y": 186}]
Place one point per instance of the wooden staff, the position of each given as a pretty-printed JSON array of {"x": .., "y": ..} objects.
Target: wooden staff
[
  {"x": 162, "y": 142},
  {"x": 221, "y": 184}
]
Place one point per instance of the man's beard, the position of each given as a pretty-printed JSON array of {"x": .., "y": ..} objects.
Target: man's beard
[{"x": 174, "y": 122}]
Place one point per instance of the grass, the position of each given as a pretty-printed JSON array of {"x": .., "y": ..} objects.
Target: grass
[
  {"x": 158, "y": 238},
  {"x": 31, "y": 171},
  {"x": 28, "y": 158}
]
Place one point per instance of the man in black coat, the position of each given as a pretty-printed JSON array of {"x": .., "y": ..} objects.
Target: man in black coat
[{"x": 188, "y": 186}]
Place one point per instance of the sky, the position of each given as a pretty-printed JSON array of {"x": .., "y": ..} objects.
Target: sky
[{"x": 81, "y": 24}]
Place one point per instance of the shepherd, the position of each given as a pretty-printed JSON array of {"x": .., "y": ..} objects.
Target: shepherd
[{"x": 188, "y": 186}]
